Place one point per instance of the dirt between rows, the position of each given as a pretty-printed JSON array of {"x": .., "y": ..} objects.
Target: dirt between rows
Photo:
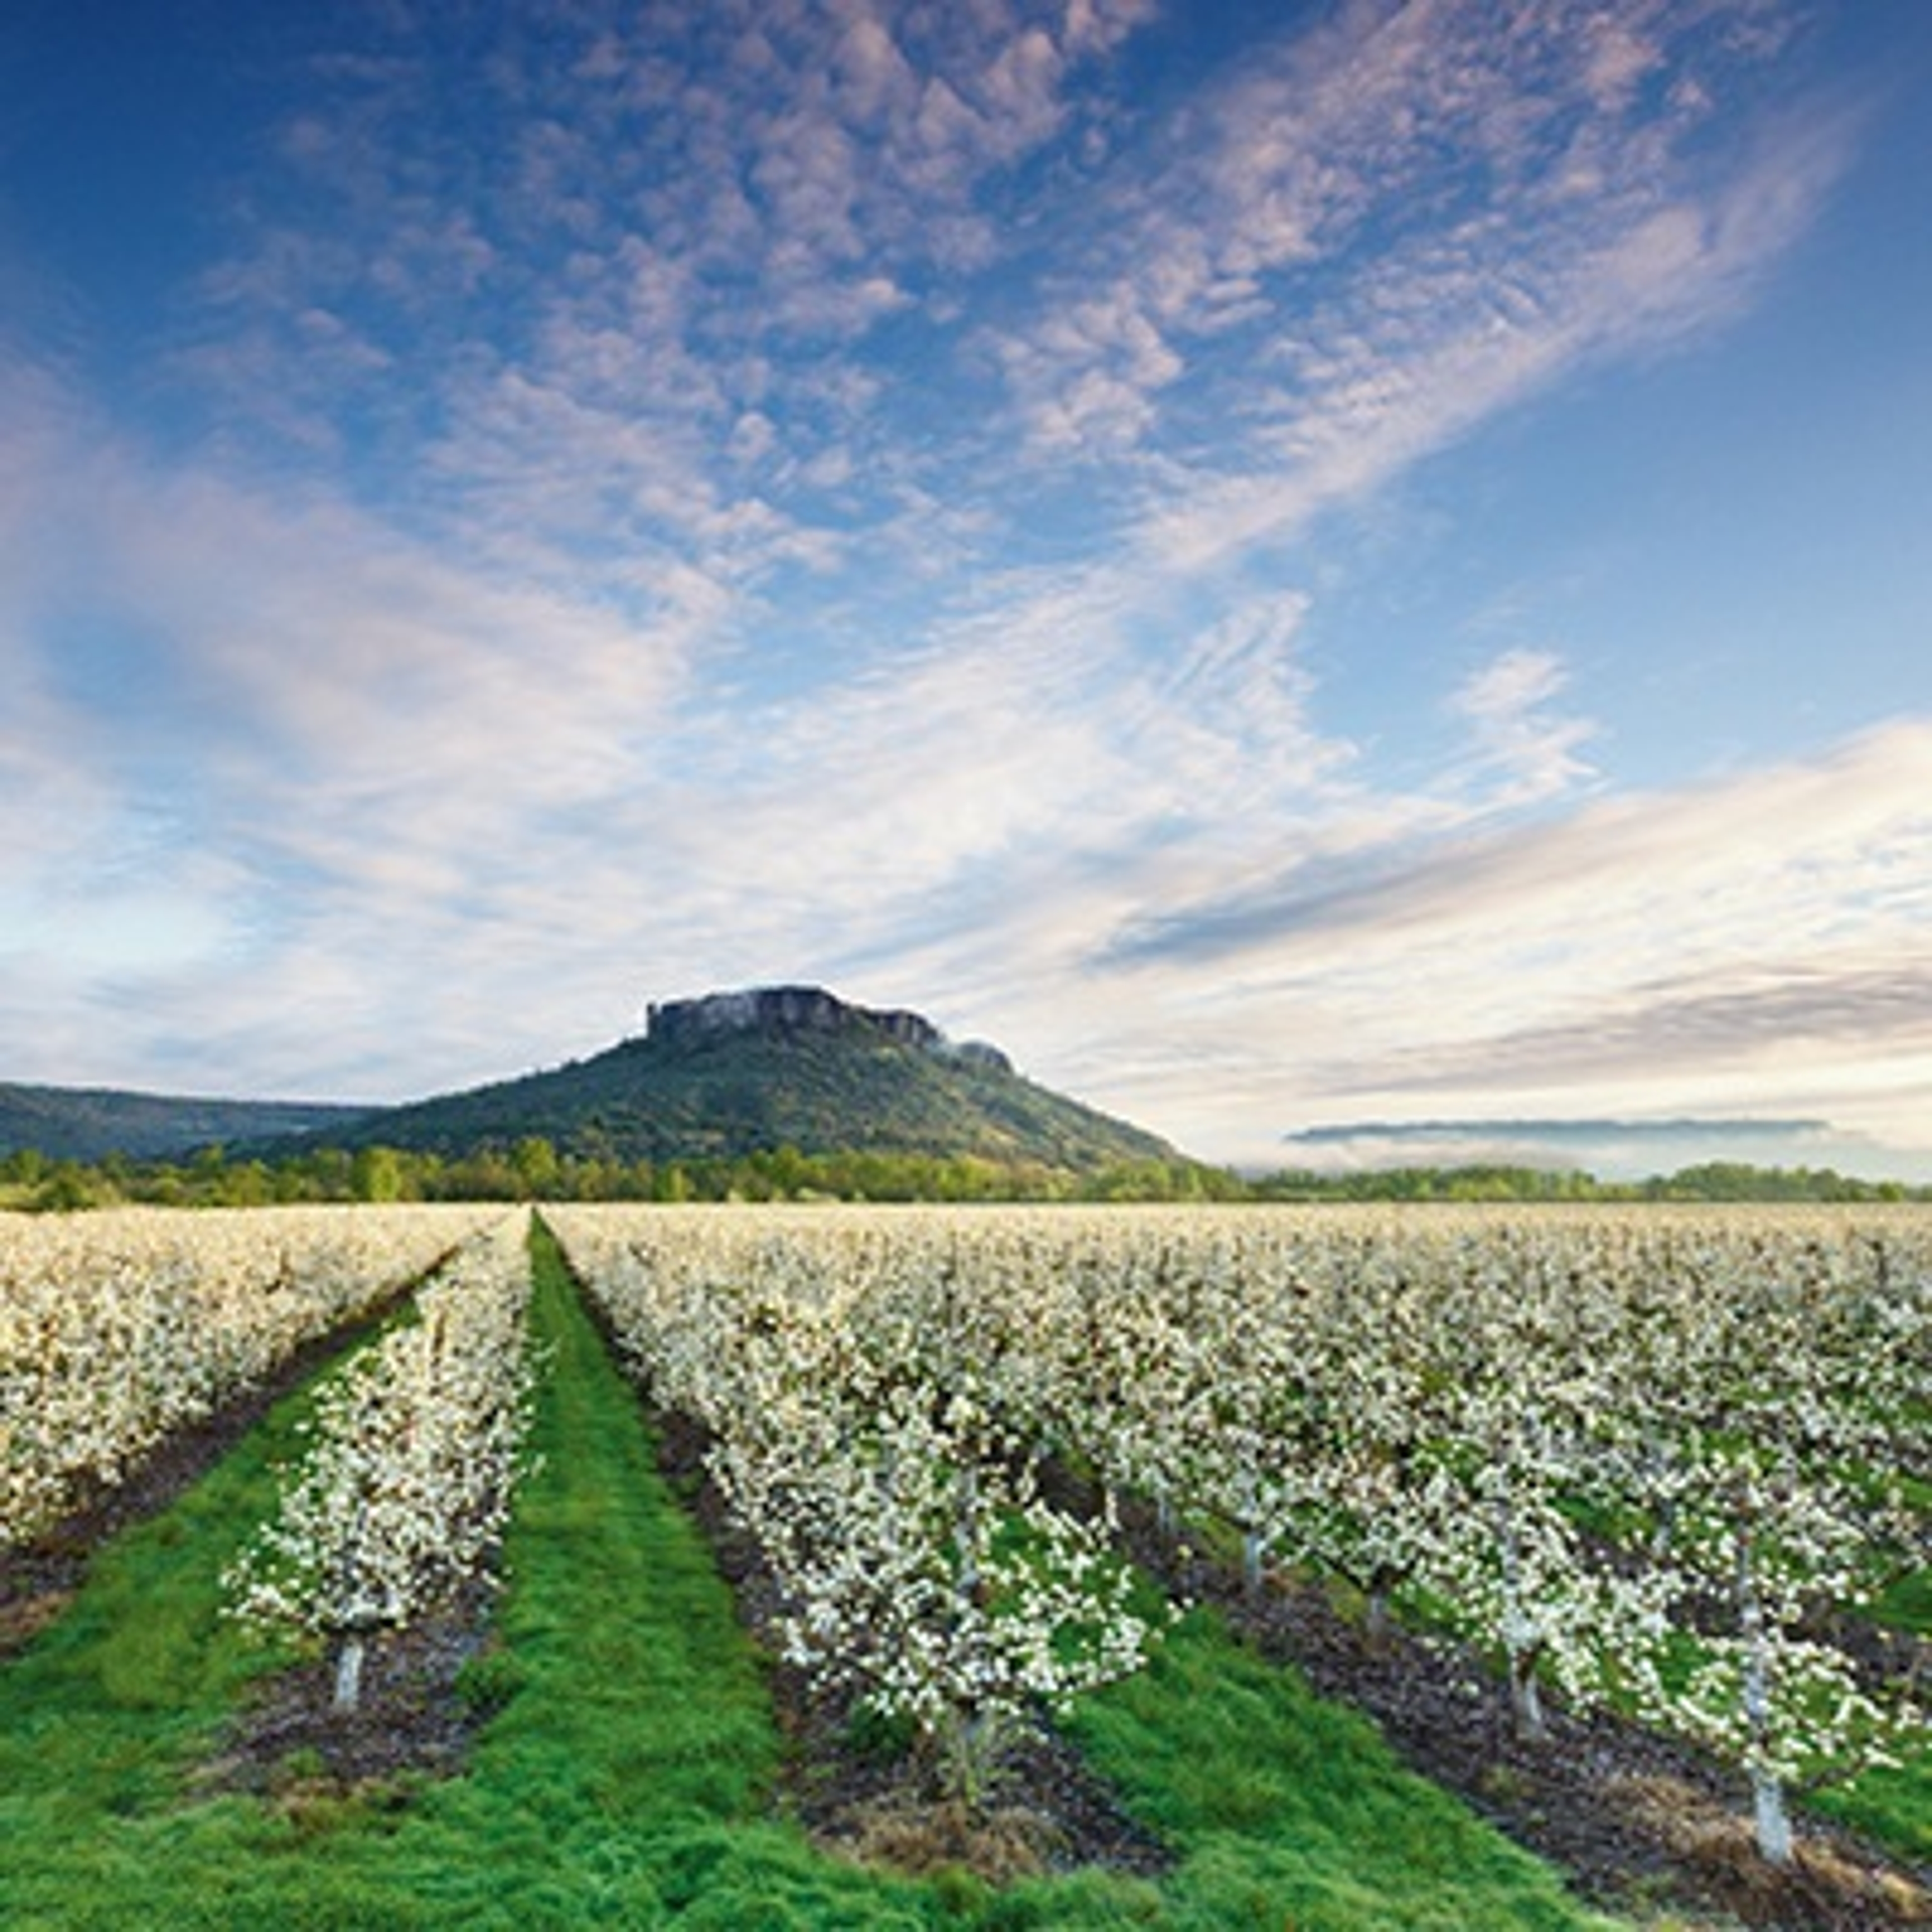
[
  {"x": 1642, "y": 1825},
  {"x": 422, "y": 1703}
]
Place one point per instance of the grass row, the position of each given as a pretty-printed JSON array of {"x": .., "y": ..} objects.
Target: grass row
[
  {"x": 628, "y": 1780},
  {"x": 1893, "y": 1804}
]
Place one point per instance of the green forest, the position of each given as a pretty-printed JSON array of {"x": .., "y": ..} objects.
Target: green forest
[{"x": 532, "y": 1168}]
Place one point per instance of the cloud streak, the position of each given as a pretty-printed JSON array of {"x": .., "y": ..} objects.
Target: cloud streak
[{"x": 1687, "y": 947}]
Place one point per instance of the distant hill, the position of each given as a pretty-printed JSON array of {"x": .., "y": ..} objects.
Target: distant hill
[
  {"x": 1612, "y": 1149},
  {"x": 89, "y": 1124},
  {"x": 734, "y": 1073},
  {"x": 724, "y": 1074}
]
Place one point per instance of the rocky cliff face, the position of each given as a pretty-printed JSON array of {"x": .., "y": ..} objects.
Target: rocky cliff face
[{"x": 781, "y": 1011}]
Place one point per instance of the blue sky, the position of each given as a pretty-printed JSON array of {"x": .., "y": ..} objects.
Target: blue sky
[{"x": 1289, "y": 564}]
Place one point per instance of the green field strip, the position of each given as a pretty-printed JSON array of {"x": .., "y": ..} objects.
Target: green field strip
[
  {"x": 105, "y": 1712},
  {"x": 1292, "y": 1809},
  {"x": 627, "y": 1779}
]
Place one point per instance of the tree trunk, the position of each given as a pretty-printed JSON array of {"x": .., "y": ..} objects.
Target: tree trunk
[
  {"x": 1773, "y": 1821},
  {"x": 349, "y": 1673},
  {"x": 1380, "y": 1623},
  {"x": 1254, "y": 1545},
  {"x": 966, "y": 1531},
  {"x": 1525, "y": 1700},
  {"x": 1521, "y": 1644},
  {"x": 1254, "y": 1539},
  {"x": 1379, "y": 1590}
]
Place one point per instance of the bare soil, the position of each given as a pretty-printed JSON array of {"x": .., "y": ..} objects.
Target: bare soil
[{"x": 419, "y": 1708}]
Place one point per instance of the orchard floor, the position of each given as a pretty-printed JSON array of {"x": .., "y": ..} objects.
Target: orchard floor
[
  {"x": 1637, "y": 1822},
  {"x": 1640, "y": 1830}
]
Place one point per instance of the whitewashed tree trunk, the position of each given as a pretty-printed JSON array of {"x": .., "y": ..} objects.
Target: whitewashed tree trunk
[
  {"x": 1380, "y": 1623},
  {"x": 349, "y": 1673},
  {"x": 966, "y": 1529},
  {"x": 1773, "y": 1819},
  {"x": 1520, "y": 1643},
  {"x": 1525, "y": 1699},
  {"x": 1254, "y": 1540}
]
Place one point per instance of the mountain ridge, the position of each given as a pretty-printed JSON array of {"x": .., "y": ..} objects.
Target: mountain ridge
[{"x": 91, "y": 1123}]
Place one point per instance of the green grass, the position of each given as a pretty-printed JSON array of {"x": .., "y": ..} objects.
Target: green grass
[
  {"x": 103, "y": 1713},
  {"x": 1893, "y": 1807},
  {"x": 625, "y": 1777},
  {"x": 1291, "y": 1811}
]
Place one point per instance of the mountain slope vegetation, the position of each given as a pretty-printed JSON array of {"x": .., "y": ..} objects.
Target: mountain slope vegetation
[
  {"x": 844, "y": 1081},
  {"x": 90, "y": 1123}
]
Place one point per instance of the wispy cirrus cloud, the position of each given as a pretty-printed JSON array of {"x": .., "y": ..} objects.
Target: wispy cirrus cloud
[
  {"x": 1712, "y": 854},
  {"x": 1708, "y": 1023},
  {"x": 1507, "y": 705},
  {"x": 1408, "y": 221}
]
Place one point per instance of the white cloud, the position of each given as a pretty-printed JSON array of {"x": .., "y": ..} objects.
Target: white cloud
[
  {"x": 1507, "y": 705},
  {"x": 349, "y": 738},
  {"x": 1308, "y": 239},
  {"x": 1756, "y": 941}
]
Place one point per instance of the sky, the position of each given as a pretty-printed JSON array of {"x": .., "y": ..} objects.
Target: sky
[{"x": 1292, "y": 564}]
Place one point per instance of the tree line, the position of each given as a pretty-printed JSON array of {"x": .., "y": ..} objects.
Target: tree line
[{"x": 534, "y": 1168}]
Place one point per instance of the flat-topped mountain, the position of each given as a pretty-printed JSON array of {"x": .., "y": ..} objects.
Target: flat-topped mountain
[
  {"x": 779, "y": 1012},
  {"x": 735, "y": 1073},
  {"x": 722, "y": 1075}
]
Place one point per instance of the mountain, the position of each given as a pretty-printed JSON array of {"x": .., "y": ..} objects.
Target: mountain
[
  {"x": 726, "y": 1074},
  {"x": 773, "y": 1066},
  {"x": 89, "y": 1124}
]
